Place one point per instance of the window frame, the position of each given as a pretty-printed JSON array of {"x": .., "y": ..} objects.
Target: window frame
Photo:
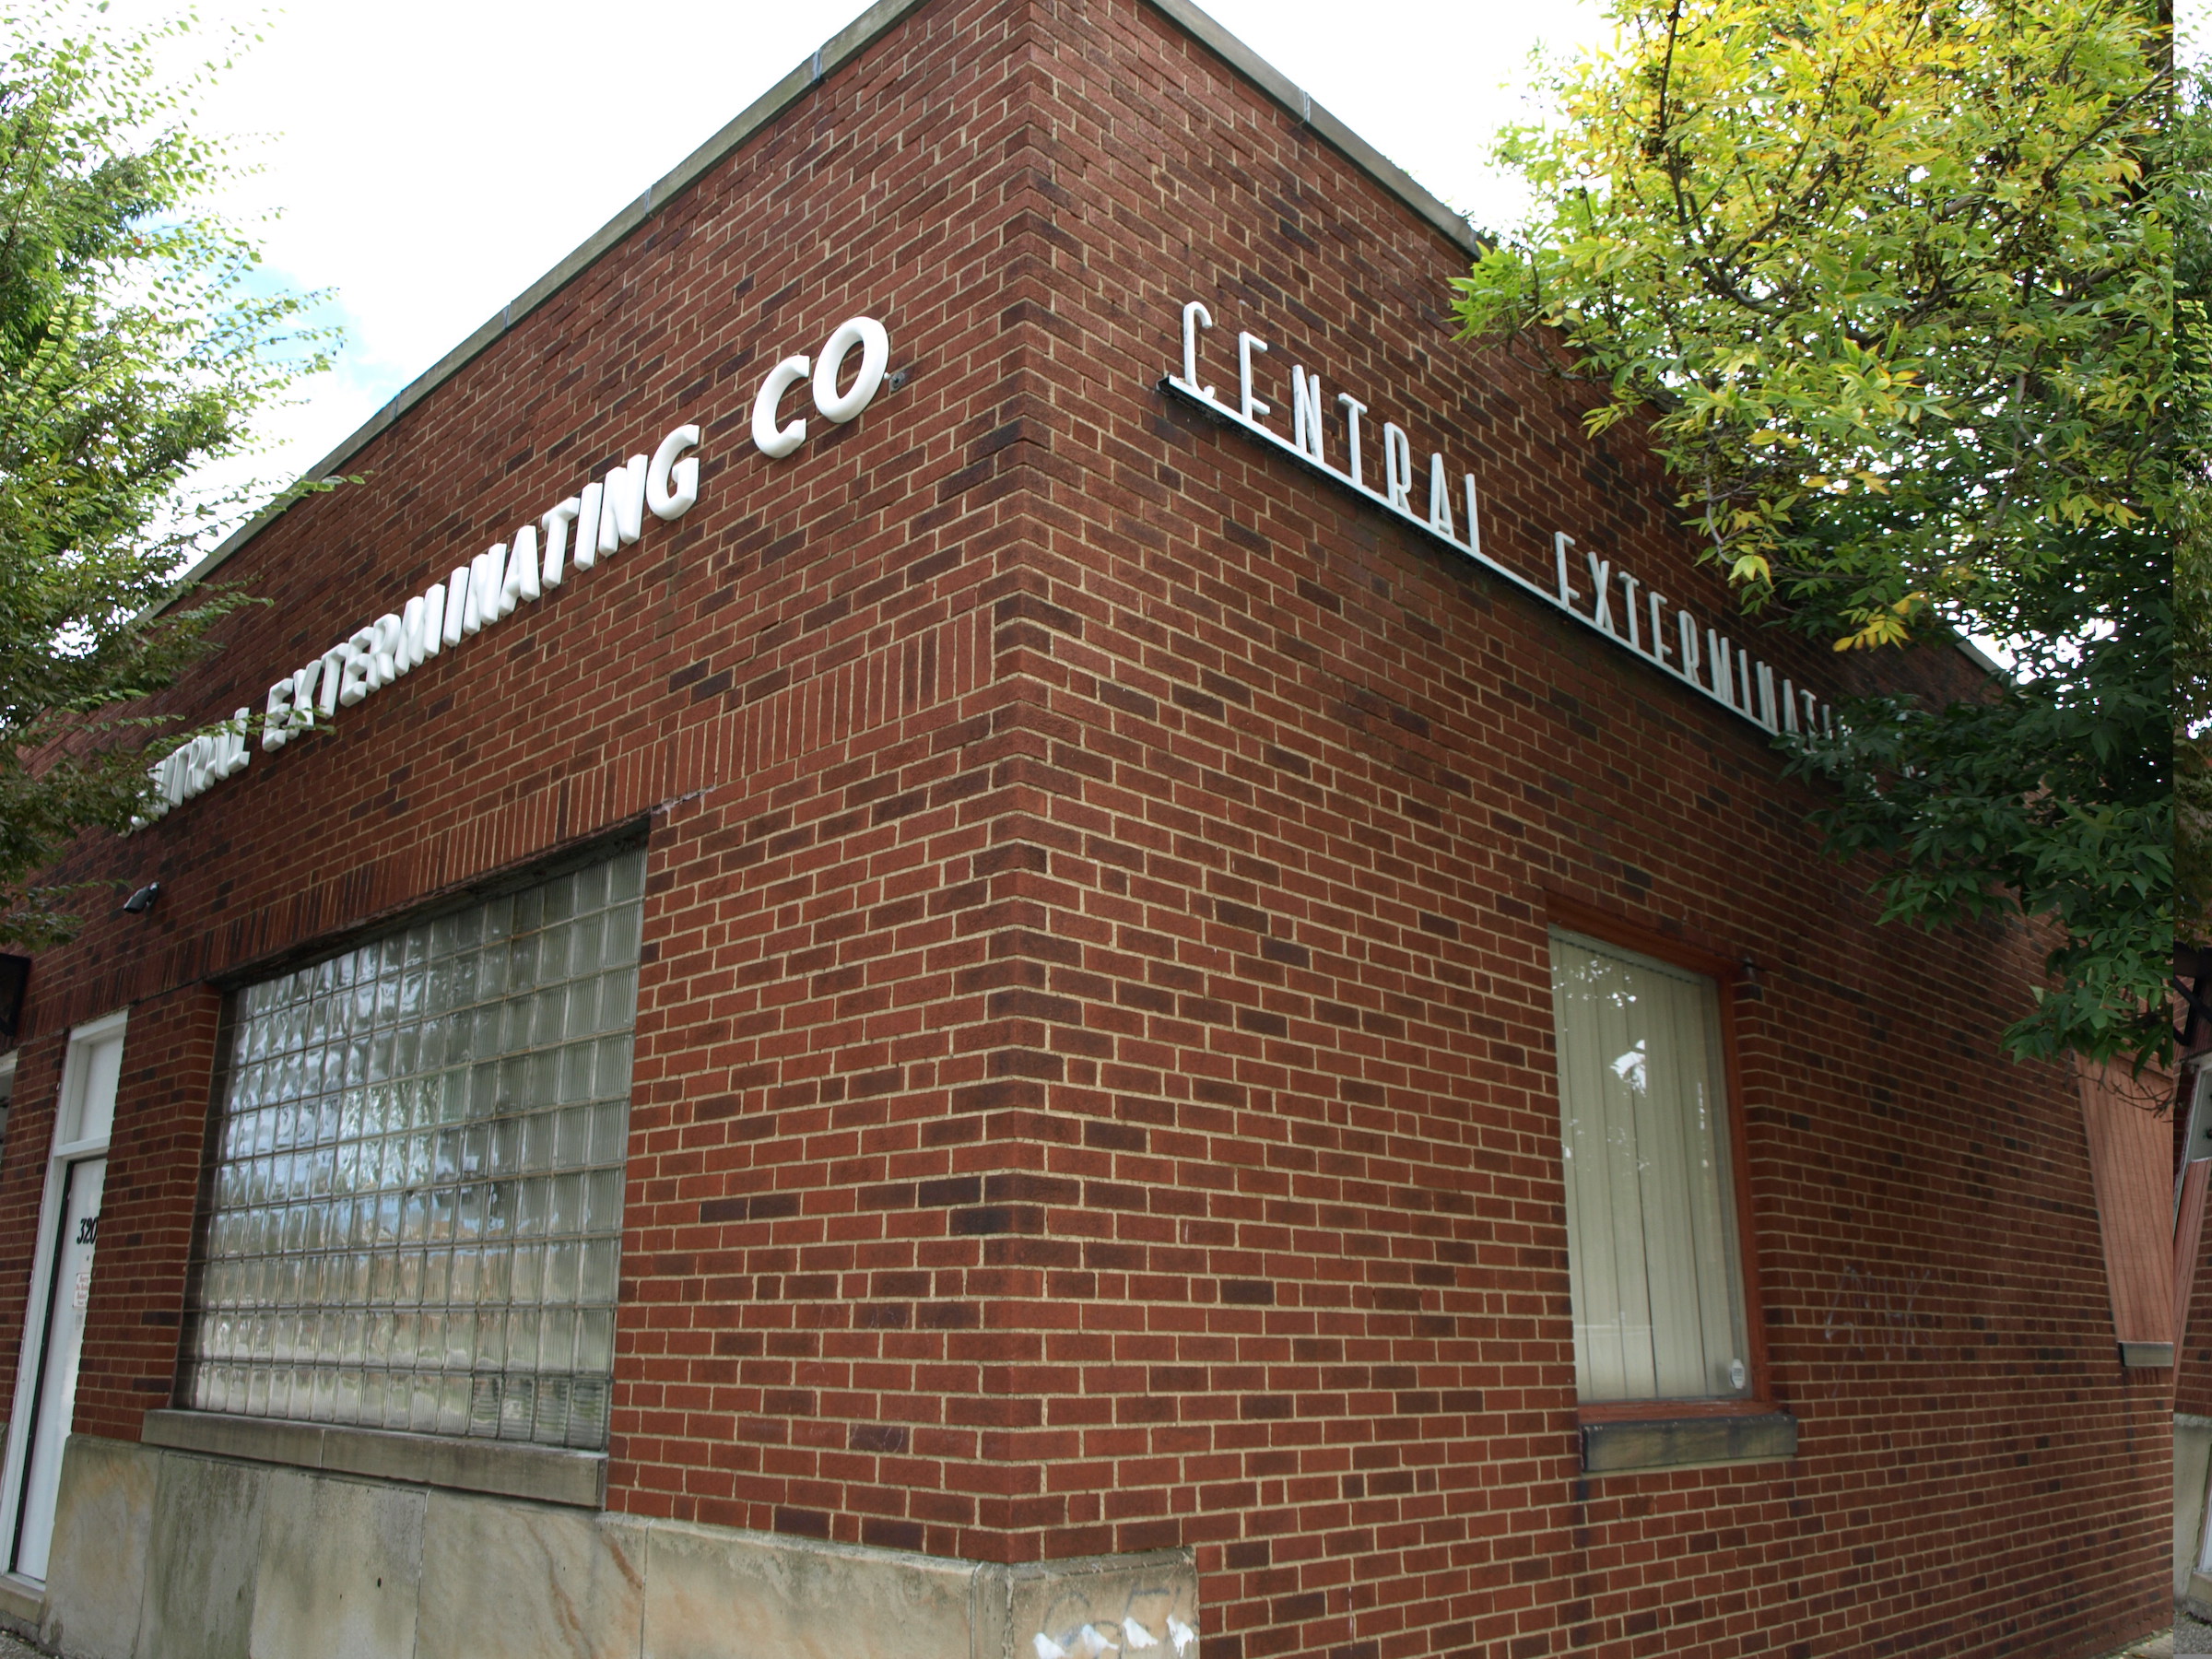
[
  {"x": 37, "y": 1305},
  {"x": 513, "y": 1467},
  {"x": 1728, "y": 977}
]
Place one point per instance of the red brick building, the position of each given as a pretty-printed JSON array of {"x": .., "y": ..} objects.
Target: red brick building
[{"x": 1061, "y": 1015}]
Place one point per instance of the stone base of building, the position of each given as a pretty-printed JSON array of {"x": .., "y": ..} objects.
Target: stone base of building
[
  {"x": 167, "y": 1554},
  {"x": 2192, "y": 1487},
  {"x": 2197, "y": 1603}
]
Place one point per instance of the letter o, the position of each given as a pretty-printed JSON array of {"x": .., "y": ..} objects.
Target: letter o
[
  {"x": 774, "y": 441},
  {"x": 875, "y": 357}
]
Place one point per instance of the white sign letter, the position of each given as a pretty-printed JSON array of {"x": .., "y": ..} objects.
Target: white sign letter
[
  {"x": 587, "y": 526},
  {"x": 671, "y": 486},
  {"x": 772, "y": 441},
  {"x": 487, "y": 573},
  {"x": 456, "y": 607},
  {"x": 1305, "y": 412},
  {"x": 408, "y": 657},
  {"x": 356, "y": 657},
  {"x": 556, "y": 524},
  {"x": 1440, "y": 500},
  {"x": 433, "y": 621},
  {"x": 236, "y": 754},
  {"x": 1253, "y": 407},
  {"x": 383, "y": 651},
  {"x": 622, "y": 508},
  {"x": 304, "y": 696},
  {"x": 1195, "y": 317},
  {"x": 276, "y": 730},
  {"x": 1398, "y": 467},
  {"x": 334, "y": 681},
  {"x": 1353, "y": 409},
  {"x": 1601, "y": 609},
  {"x": 875, "y": 357},
  {"x": 521, "y": 581}
]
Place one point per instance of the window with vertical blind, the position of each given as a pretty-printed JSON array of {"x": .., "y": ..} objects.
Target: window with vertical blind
[
  {"x": 1653, "y": 1250},
  {"x": 416, "y": 1205}
]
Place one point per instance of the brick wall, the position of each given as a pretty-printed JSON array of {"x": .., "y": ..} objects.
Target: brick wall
[
  {"x": 146, "y": 1208},
  {"x": 1094, "y": 1083},
  {"x": 23, "y": 1180},
  {"x": 1316, "y": 787}
]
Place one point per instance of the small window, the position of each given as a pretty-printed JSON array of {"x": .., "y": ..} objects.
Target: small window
[
  {"x": 85, "y": 1115},
  {"x": 1653, "y": 1250},
  {"x": 416, "y": 1194}
]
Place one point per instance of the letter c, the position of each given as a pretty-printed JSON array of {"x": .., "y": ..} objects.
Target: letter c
[{"x": 773, "y": 440}]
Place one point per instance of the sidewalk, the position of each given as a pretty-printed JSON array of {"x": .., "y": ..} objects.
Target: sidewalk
[{"x": 2188, "y": 1635}]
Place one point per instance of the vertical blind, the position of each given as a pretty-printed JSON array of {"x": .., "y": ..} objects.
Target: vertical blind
[
  {"x": 417, "y": 1196},
  {"x": 1652, "y": 1241}
]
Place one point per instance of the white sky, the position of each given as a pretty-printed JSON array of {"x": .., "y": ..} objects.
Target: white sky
[{"x": 430, "y": 159}]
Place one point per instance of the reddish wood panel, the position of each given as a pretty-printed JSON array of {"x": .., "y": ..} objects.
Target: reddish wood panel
[
  {"x": 2131, "y": 1164},
  {"x": 2188, "y": 1240},
  {"x": 2193, "y": 1353}
]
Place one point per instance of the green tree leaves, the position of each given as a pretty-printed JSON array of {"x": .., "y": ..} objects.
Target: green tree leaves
[
  {"x": 1892, "y": 284},
  {"x": 137, "y": 341},
  {"x": 2188, "y": 189}
]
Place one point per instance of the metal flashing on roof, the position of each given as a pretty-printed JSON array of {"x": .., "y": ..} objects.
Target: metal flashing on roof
[
  {"x": 847, "y": 43},
  {"x": 1331, "y": 131}
]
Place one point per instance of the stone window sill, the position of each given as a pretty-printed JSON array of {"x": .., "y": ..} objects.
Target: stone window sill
[
  {"x": 544, "y": 1474},
  {"x": 1678, "y": 1442}
]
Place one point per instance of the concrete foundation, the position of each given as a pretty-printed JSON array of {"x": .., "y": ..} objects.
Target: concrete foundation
[
  {"x": 167, "y": 1554},
  {"x": 2191, "y": 1488}
]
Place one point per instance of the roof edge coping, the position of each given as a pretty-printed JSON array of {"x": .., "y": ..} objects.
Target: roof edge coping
[
  {"x": 845, "y": 44},
  {"x": 1297, "y": 102}
]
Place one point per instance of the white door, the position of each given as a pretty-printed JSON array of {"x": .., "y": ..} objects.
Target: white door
[
  {"x": 60, "y": 1288},
  {"x": 64, "y": 1345}
]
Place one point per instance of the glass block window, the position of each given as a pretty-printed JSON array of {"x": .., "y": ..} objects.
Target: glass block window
[
  {"x": 1653, "y": 1258},
  {"x": 417, "y": 1207}
]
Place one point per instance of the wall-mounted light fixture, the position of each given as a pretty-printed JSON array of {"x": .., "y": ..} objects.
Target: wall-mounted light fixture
[{"x": 139, "y": 902}]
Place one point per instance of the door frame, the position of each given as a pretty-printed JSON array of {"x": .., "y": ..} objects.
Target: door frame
[
  {"x": 30, "y": 1365},
  {"x": 2197, "y": 1138}
]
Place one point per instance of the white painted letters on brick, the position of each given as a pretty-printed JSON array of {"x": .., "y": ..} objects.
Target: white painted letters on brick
[
  {"x": 601, "y": 519},
  {"x": 1722, "y": 671}
]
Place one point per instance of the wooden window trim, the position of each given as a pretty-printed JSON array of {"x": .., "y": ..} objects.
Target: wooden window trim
[{"x": 1727, "y": 974}]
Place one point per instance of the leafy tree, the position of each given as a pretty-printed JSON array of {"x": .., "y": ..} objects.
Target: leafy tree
[
  {"x": 2190, "y": 185},
  {"x": 136, "y": 340},
  {"x": 1890, "y": 284}
]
